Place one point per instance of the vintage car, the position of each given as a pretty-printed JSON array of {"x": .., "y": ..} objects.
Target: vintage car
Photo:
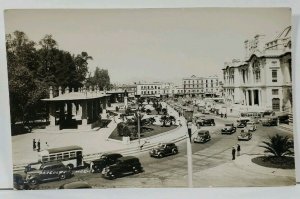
[
  {"x": 228, "y": 129},
  {"x": 105, "y": 160},
  {"x": 242, "y": 122},
  {"x": 251, "y": 126},
  {"x": 163, "y": 150},
  {"x": 124, "y": 166},
  {"x": 269, "y": 121},
  {"x": 245, "y": 135},
  {"x": 202, "y": 136},
  {"x": 206, "y": 122},
  {"x": 49, "y": 171}
]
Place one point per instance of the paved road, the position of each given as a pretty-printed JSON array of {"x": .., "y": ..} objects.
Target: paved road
[{"x": 171, "y": 171}]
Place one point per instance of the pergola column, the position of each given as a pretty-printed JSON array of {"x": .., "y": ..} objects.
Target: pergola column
[
  {"x": 52, "y": 114},
  {"x": 84, "y": 112}
]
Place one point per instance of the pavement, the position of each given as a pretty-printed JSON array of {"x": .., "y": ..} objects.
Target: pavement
[{"x": 92, "y": 141}]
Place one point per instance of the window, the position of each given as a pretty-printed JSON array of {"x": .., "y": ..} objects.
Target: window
[
  {"x": 275, "y": 91},
  {"x": 274, "y": 75}
]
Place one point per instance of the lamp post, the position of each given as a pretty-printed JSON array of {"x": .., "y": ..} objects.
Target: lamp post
[
  {"x": 188, "y": 114},
  {"x": 139, "y": 126}
]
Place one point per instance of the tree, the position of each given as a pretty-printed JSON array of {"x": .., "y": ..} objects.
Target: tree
[
  {"x": 172, "y": 119},
  {"x": 158, "y": 109},
  {"x": 100, "y": 78},
  {"x": 164, "y": 120},
  {"x": 24, "y": 89},
  {"x": 81, "y": 63},
  {"x": 278, "y": 145},
  {"x": 148, "y": 111}
]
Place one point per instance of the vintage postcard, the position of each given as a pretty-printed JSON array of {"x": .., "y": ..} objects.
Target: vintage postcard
[{"x": 150, "y": 98}]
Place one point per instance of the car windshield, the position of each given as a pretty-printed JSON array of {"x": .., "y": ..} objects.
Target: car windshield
[
  {"x": 228, "y": 124},
  {"x": 103, "y": 157}
]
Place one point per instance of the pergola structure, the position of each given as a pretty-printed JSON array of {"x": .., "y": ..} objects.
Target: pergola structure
[{"x": 76, "y": 109}]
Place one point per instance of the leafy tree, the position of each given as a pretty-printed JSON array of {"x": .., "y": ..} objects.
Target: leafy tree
[
  {"x": 100, "y": 78},
  {"x": 172, "y": 119},
  {"x": 164, "y": 119},
  {"x": 278, "y": 145}
]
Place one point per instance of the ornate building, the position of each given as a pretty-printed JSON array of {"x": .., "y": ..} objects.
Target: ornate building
[{"x": 263, "y": 80}]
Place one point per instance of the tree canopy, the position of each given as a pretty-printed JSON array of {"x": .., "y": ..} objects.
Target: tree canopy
[{"x": 34, "y": 67}]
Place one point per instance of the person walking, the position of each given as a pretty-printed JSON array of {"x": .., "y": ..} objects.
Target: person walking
[
  {"x": 39, "y": 146},
  {"x": 225, "y": 115},
  {"x": 34, "y": 144},
  {"x": 47, "y": 145},
  {"x": 238, "y": 149},
  {"x": 233, "y": 153}
]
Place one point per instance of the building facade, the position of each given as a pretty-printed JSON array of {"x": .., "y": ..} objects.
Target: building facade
[
  {"x": 201, "y": 86},
  {"x": 149, "y": 89},
  {"x": 263, "y": 80}
]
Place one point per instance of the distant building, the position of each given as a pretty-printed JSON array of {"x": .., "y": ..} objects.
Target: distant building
[
  {"x": 263, "y": 79},
  {"x": 149, "y": 89},
  {"x": 201, "y": 86}
]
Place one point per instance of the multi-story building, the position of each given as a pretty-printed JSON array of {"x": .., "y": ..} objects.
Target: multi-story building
[
  {"x": 264, "y": 78},
  {"x": 201, "y": 86},
  {"x": 149, "y": 89}
]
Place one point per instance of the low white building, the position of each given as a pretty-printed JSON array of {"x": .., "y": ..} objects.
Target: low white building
[{"x": 263, "y": 79}]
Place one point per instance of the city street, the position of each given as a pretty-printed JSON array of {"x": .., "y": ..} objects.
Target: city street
[{"x": 171, "y": 171}]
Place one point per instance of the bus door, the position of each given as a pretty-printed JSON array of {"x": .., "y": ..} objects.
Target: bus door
[{"x": 79, "y": 158}]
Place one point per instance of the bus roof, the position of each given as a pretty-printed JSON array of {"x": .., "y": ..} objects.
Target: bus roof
[{"x": 61, "y": 149}]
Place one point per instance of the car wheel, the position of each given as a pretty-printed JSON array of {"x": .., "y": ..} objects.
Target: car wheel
[
  {"x": 135, "y": 170},
  {"x": 70, "y": 166},
  {"x": 160, "y": 155},
  {"x": 174, "y": 151},
  {"x": 33, "y": 181},
  {"x": 62, "y": 176}
]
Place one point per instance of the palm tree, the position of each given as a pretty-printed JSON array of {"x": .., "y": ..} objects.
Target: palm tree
[{"x": 278, "y": 145}]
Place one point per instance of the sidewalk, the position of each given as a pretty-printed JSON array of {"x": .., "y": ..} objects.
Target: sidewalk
[{"x": 243, "y": 172}]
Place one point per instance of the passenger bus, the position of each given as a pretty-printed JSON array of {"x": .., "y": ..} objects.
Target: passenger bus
[{"x": 71, "y": 156}]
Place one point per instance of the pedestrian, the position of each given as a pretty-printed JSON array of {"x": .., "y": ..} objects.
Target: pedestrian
[
  {"x": 47, "y": 145},
  {"x": 222, "y": 115},
  {"x": 39, "y": 145},
  {"x": 233, "y": 153},
  {"x": 34, "y": 144},
  {"x": 238, "y": 149},
  {"x": 225, "y": 115}
]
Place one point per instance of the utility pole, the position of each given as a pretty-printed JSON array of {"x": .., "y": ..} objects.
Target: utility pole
[{"x": 189, "y": 155}]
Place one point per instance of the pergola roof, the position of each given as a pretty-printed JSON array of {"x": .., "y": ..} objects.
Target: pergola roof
[{"x": 77, "y": 96}]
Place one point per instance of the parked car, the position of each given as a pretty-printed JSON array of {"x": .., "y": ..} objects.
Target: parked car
[
  {"x": 104, "y": 161},
  {"x": 245, "y": 135},
  {"x": 202, "y": 136},
  {"x": 124, "y": 166},
  {"x": 19, "y": 182},
  {"x": 228, "y": 129},
  {"x": 206, "y": 122},
  {"x": 284, "y": 119},
  {"x": 32, "y": 166},
  {"x": 163, "y": 150},
  {"x": 76, "y": 185},
  {"x": 251, "y": 126},
  {"x": 269, "y": 121},
  {"x": 48, "y": 171}
]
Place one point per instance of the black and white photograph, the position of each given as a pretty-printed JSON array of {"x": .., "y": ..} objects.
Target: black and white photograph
[{"x": 150, "y": 98}]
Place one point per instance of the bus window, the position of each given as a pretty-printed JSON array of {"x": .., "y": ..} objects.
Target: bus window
[
  {"x": 45, "y": 159},
  {"x": 72, "y": 154},
  {"x": 52, "y": 157},
  {"x": 59, "y": 156},
  {"x": 66, "y": 156}
]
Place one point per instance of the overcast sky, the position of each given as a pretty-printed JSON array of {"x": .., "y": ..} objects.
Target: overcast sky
[{"x": 152, "y": 44}]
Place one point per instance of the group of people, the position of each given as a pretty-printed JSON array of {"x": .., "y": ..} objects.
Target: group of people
[
  {"x": 37, "y": 145},
  {"x": 236, "y": 151}
]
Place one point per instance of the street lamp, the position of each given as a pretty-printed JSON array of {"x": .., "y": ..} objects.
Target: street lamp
[
  {"x": 139, "y": 126},
  {"x": 188, "y": 115}
]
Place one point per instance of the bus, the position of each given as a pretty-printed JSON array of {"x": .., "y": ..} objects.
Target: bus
[{"x": 71, "y": 156}]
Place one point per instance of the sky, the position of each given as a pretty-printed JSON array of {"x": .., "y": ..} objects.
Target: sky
[{"x": 152, "y": 44}]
